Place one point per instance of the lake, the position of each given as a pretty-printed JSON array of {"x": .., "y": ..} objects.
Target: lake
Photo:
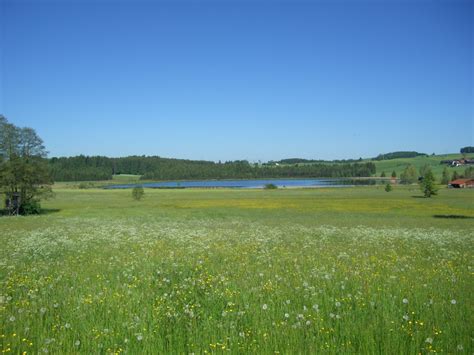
[{"x": 254, "y": 183}]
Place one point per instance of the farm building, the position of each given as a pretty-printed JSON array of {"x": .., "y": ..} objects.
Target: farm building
[{"x": 462, "y": 183}]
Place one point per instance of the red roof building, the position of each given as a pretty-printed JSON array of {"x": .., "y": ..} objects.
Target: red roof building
[{"x": 461, "y": 183}]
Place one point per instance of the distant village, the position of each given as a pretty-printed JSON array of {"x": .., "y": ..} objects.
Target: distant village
[{"x": 458, "y": 162}]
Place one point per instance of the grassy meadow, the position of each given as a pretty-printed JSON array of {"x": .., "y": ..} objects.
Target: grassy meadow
[{"x": 336, "y": 270}]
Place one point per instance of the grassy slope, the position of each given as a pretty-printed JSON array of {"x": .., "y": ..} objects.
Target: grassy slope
[
  {"x": 308, "y": 271},
  {"x": 398, "y": 165}
]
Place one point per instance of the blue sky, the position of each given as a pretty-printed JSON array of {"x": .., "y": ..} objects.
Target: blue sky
[{"x": 225, "y": 80}]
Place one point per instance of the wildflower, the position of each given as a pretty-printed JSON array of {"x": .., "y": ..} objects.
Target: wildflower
[
  {"x": 77, "y": 343},
  {"x": 308, "y": 322},
  {"x": 67, "y": 325},
  {"x": 12, "y": 318},
  {"x": 264, "y": 307},
  {"x": 288, "y": 301},
  {"x": 405, "y": 301},
  {"x": 460, "y": 347},
  {"x": 316, "y": 307},
  {"x": 241, "y": 334},
  {"x": 43, "y": 310},
  {"x": 453, "y": 301},
  {"x": 287, "y": 315},
  {"x": 429, "y": 340},
  {"x": 139, "y": 337},
  {"x": 338, "y": 304},
  {"x": 405, "y": 317}
]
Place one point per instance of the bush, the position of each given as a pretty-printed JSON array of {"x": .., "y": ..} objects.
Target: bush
[
  {"x": 138, "y": 192},
  {"x": 270, "y": 187},
  {"x": 388, "y": 188},
  {"x": 30, "y": 207}
]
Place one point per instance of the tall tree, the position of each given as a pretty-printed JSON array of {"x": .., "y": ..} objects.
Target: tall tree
[
  {"x": 424, "y": 169},
  {"x": 24, "y": 173},
  {"x": 446, "y": 176},
  {"x": 409, "y": 175}
]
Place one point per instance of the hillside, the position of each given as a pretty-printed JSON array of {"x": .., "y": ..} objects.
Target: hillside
[{"x": 434, "y": 161}]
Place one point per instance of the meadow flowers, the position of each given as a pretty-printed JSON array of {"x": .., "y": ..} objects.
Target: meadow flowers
[{"x": 194, "y": 286}]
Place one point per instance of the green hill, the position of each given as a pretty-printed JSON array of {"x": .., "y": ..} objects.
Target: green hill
[{"x": 434, "y": 161}]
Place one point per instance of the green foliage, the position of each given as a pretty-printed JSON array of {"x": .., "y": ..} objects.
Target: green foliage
[
  {"x": 446, "y": 176},
  {"x": 409, "y": 175},
  {"x": 24, "y": 174},
  {"x": 383, "y": 174},
  {"x": 31, "y": 207},
  {"x": 270, "y": 187},
  {"x": 456, "y": 176},
  {"x": 388, "y": 187},
  {"x": 428, "y": 185},
  {"x": 394, "y": 174},
  {"x": 467, "y": 150},
  {"x": 138, "y": 192}
]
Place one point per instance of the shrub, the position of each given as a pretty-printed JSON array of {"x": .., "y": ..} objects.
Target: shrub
[
  {"x": 388, "y": 187},
  {"x": 30, "y": 207},
  {"x": 270, "y": 187},
  {"x": 138, "y": 192}
]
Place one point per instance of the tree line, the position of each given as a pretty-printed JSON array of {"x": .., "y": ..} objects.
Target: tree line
[
  {"x": 398, "y": 155},
  {"x": 84, "y": 168},
  {"x": 24, "y": 172}
]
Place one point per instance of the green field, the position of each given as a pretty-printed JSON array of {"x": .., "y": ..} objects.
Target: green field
[{"x": 349, "y": 270}]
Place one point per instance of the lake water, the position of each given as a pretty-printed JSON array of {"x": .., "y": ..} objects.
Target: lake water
[{"x": 253, "y": 183}]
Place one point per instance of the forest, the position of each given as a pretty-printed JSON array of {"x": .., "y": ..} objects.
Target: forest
[{"x": 84, "y": 168}]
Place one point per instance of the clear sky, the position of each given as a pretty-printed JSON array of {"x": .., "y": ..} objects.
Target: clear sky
[{"x": 225, "y": 80}]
